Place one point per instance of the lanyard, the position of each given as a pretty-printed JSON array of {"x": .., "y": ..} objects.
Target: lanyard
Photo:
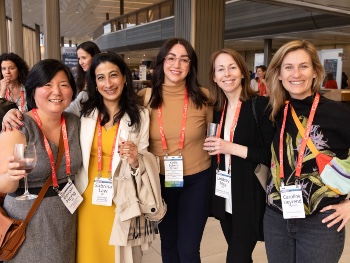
[
  {"x": 183, "y": 126},
  {"x": 304, "y": 140},
  {"x": 8, "y": 97},
  {"x": 99, "y": 148},
  {"x": 232, "y": 129},
  {"x": 48, "y": 148}
]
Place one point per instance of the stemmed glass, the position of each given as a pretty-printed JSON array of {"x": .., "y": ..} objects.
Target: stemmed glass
[
  {"x": 124, "y": 135},
  {"x": 25, "y": 155}
]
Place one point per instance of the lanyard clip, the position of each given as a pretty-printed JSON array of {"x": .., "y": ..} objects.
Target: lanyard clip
[
  {"x": 180, "y": 152},
  {"x": 297, "y": 183},
  {"x": 217, "y": 167},
  {"x": 109, "y": 176},
  {"x": 166, "y": 153}
]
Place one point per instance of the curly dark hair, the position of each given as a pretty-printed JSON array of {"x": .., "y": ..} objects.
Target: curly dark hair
[
  {"x": 22, "y": 66},
  {"x": 129, "y": 102},
  {"x": 194, "y": 91},
  {"x": 91, "y": 48}
]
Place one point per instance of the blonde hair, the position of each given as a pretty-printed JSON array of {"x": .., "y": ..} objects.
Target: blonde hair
[{"x": 278, "y": 94}]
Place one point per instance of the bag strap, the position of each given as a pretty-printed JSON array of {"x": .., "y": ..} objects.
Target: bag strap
[
  {"x": 47, "y": 183},
  {"x": 256, "y": 119},
  {"x": 301, "y": 129}
]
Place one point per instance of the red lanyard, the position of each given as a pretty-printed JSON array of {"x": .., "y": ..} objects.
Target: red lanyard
[
  {"x": 99, "y": 147},
  {"x": 183, "y": 126},
  {"x": 8, "y": 97},
  {"x": 48, "y": 148},
  {"x": 232, "y": 130},
  {"x": 304, "y": 140}
]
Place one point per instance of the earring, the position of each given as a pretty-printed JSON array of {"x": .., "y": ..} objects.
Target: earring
[
  {"x": 96, "y": 88},
  {"x": 125, "y": 84}
]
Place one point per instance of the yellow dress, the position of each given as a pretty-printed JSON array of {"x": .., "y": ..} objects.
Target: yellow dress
[{"x": 95, "y": 221}]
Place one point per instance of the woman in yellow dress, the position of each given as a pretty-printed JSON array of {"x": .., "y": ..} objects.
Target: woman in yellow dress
[{"x": 111, "y": 106}]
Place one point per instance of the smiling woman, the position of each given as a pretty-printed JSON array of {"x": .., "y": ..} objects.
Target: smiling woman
[{"x": 50, "y": 88}]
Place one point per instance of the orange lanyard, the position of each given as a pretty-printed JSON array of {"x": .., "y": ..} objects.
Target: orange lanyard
[
  {"x": 99, "y": 147},
  {"x": 304, "y": 140},
  {"x": 8, "y": 97},
  {"x": 48, "y": 148},
  {"x": 183, "y": 126},
  {"x": 232, "y": 129}
]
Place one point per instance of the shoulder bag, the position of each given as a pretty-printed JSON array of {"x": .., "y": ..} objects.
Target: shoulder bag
[
  {"x": 13, "y": 231},
  {"x": 261, "y": 171}
]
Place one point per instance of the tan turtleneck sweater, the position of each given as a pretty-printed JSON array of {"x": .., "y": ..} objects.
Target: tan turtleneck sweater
[{"x": 195, "y": 159}]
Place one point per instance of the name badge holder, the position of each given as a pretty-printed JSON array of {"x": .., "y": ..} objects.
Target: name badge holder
[
  {"x": 70, "y": 196},
  {"x": 223, "y": 184},
  {"x": 173, "y": 171},
  {"x": 102, "y": 193}
]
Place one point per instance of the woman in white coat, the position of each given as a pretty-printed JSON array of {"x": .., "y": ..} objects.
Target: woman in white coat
[{"x": 111, "y": 105}]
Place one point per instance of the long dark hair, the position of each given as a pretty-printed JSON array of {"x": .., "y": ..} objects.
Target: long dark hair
[
  {"x": 194, "y": 91},
  {"x": 129, "y": 102},
  {"x": 91, "y": 48},
  {"x": 42, "y": 73},
  {"x": 20, "y": 63}
]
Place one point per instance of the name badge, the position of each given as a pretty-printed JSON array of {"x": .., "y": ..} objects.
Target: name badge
[
  {"x": 102, "y": 193},
  {"x": 174, "y": 175},
  {"x": 292, "y": 202},
  {"x": 70, "y": 197},
  {"x": 223, "y": 184}
]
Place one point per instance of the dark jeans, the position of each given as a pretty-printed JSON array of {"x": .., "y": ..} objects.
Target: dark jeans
[
  {"x": 182, "y": 227},
  {"x": 238, "y": 251},
  {"x": 302, "y": 240}
]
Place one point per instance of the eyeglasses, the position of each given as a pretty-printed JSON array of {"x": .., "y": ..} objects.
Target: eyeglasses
[{"x": 170, "y": 59}]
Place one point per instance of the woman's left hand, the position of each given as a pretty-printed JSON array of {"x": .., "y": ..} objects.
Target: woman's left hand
[
  {"x": 342, "y": 213},
  {"x": 129, "y": 150}
]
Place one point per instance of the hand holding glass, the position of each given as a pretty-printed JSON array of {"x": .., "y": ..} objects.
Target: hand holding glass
[{"x": 25, "y": 155}]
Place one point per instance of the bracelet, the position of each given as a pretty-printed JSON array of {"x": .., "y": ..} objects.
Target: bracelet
[{"x": 134, "y": 173}]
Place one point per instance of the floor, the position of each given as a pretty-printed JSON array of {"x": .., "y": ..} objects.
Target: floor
[{"x": 213, "y": 247}]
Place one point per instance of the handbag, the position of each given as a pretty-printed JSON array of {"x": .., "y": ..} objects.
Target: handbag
[
  {"x": 261, "y": 171},
  {"x": 13, "y": 231},
  {"x": 334, "y": 172}
]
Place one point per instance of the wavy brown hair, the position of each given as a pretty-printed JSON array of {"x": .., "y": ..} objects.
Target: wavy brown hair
[{"x": 278, "y": 94}]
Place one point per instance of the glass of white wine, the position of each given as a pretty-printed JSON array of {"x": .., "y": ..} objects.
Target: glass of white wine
[{"x": 25, "y": 155}]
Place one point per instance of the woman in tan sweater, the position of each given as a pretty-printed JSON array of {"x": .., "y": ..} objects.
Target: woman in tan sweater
[{"x": 178, "y": 119}]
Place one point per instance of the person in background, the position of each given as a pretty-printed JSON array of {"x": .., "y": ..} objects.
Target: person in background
[
  {"x": 312, "y": 231},
  {"x": 13, "y": 75},
  {"x": 344, "y": 80},
  {"x": 85, "y": 51},
  {"x": 179, "y": 115},
  {"x": 241, "y": 209},
  {"x": 50, "y": 88},
  {"x": 330, "y": 83},
  {"x": 259, "y": 83}
]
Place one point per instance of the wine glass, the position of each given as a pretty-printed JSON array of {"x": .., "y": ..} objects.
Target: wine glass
[
  {"x": 25, "y": 155},
  {"x": 124, "y": 135}
]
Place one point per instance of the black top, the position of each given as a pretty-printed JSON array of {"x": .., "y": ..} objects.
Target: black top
[
  {"x": 248, "y": 196},
  {"x": 329, "y": 133}
]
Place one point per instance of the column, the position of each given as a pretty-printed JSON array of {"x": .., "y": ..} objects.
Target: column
[
  {"x": 52, "y": 29},
  {"x": 202, "y": 22},
  {"x": 3, "y": 28},
  {"x": 37, "y": 52},
  {"x": 17, "y": 29},
  {"x": 267, "y": 51}
]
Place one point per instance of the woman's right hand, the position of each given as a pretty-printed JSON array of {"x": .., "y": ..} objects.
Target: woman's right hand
[
  {"x": 13, "y": 173},
  {"x": 12, "y": 119}
]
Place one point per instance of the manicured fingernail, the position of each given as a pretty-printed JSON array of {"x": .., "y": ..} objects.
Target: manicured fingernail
[{"x": 123, "y": 142}]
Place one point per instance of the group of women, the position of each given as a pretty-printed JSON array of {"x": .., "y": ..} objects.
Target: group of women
[{"x": 172, "y": 124}]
